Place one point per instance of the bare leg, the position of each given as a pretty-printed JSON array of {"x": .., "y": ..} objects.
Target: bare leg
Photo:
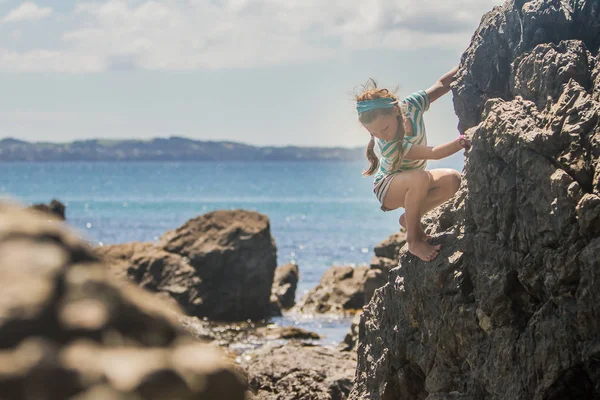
[
  {"x": 445, "y": 183},
  {"x": 409, "y": 190},
  {"x": 415, "y": 196}
]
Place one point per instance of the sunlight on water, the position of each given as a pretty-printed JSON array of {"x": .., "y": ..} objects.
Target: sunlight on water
[{"x": 321, "y": 213}]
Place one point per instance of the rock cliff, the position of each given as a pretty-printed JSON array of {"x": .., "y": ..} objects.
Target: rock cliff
[{"x": 510, "y": 309}]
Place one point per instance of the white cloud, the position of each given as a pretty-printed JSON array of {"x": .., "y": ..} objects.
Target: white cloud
[
  {"x": 16, "y": 34},
  {"x": 27, "y": 11},
  {"x": 194, "y": 34},
  {"x": 49, "y": 60}
]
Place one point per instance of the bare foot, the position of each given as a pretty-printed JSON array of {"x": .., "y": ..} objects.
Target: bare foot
[
  {"x": 422, "y": 234},
  {"x": 424, "y": 250}
]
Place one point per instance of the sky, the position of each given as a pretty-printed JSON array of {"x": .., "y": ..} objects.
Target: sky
[{"x": 262, "y": 72}]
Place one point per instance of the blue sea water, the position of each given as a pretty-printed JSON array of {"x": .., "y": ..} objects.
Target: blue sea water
[{"x": 321, "y": 213}]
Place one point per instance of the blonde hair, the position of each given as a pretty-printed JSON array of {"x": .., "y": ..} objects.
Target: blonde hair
[{"x": 370, "y": 91}]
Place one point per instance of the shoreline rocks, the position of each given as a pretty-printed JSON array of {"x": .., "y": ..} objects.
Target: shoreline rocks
[
  {"x": 67, "y": 328},
  {"x": 98, "y": 336},
  {"x": 264, "y": 351},
  {"x": 342, "y": 289},
  {"x": 169, "y": 269},
  {"x": 283, "y": 291},
  {"x": 54, "y": 209},
  {"x": 387, "y": 253},
  {"x": 219, "y": 265},
  {"x": 239, "y": 338},
  {"x": 299, "y": 371}
]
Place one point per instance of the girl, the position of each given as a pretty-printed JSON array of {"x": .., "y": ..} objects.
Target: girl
[{"x": 398, "y": 131}]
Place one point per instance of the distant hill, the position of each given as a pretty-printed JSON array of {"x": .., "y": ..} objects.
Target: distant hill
[{"x": 170, "y": 149}]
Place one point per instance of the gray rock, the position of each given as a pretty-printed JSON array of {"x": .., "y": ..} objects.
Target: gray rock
[
  {"x": 505, "y": 34},
  {"x": 510, "y": 309},
  {"x": 68, "y": 329},
  {"x": 350, "y": 342},
  {"x": 284, "y": 287},
  {"x": 387, "y": 253},
  {"x": 341, "y": 289},
  {"x": 540, "y": 75},
  {"x": 241, "y": 337},
  {"x": 297, "y": 371},
  {"x": 54, "y": 209},
  {"x": 219, "y": 265}
]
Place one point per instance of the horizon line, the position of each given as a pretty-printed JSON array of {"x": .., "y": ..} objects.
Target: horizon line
[{"x": 97, "y": 139}]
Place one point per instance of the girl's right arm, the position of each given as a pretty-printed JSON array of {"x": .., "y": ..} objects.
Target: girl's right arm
[
  {"x": 442, "y": 86},
  {"x": 419, "y": 152}
]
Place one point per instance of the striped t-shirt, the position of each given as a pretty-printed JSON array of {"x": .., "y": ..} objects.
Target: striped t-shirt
[{"x": 416, "y": 104}]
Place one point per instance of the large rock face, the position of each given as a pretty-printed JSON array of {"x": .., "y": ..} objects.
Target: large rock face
[
  {"x": 510, "y": 309},
  {"x": 69, "y": 330},
  {"x": 219, "y": 265},
  {"x": 512, "y": 31}
]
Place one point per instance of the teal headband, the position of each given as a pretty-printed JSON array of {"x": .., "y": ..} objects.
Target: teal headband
[{"x": 375, "y": 104}]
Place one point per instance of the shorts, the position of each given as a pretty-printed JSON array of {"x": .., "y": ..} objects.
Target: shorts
[{"x": 381, "y": 189}]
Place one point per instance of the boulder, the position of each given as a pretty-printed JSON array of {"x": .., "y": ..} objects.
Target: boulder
[
  {"x": 342, "y": 289},
  {"x": 299, "y": 371},
  {"x": 54, "y": 209},
  {"x": 510, "y": 308},
  {"x": 387, "y": 252},
  {"x": 285, "y": 282},
  {"x": 351, "y": 339},
  {"x": 68, "y": 330},
  {"x": 219, "y": 265}
]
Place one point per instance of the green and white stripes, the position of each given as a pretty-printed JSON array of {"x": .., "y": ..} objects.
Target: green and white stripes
[{"x": 415, "y": 105}]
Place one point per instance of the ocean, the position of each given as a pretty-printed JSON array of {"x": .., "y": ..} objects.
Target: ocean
[{"x": 322, "y": 213}]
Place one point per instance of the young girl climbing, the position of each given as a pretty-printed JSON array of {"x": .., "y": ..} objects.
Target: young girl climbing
[{"x": 398, "y": 131}]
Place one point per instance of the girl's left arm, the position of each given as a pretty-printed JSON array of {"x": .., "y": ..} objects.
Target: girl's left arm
[
  {"x": 420, "y": 152},
  {"x": 442, "y": 86}
]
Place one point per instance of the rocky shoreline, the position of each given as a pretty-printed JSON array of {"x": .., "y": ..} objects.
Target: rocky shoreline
[
  {"x": 70, "y": 329},
  {"x": 215, "y": 278}
]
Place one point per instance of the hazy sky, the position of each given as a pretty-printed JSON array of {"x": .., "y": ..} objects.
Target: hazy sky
[{"x": 264, "y": 72}]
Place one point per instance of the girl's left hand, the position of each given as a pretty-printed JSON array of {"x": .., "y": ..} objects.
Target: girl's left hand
[{"x": 464, "y": 142}]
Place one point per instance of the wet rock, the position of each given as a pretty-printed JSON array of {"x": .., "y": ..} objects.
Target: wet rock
[
  {"x": 241, "y": 337},
  {"x": 300, "y": 372},
  {"x": 219, "y": 265},
  {"x": 68, "y": 330},
  {"x": 341, "y": 289},
  {"x": 510, "y": 307}
]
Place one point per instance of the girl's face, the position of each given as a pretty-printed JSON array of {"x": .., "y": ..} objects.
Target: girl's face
[{"x": 384, "y": 127}]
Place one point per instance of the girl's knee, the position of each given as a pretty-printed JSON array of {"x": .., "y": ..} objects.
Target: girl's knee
[
  {"x": 421, "y": 178},
  {"x": 455, "y": 179}
]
